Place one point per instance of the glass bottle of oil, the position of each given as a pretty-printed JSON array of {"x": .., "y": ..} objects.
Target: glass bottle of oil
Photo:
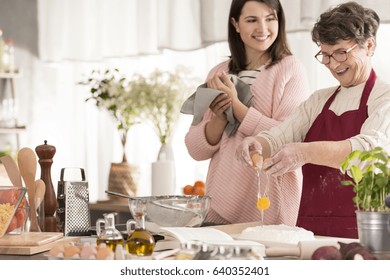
[
  {"x": 110, "y": 235},
  {"x": 140, "y": 241}
]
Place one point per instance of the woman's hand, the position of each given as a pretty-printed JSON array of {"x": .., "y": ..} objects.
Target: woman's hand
[
  {"x": 219, "y": 105},
  {"x": 221, "y": 81},
  {"x": 287, "y": 158},
  {"x": 250, "y": 152}
]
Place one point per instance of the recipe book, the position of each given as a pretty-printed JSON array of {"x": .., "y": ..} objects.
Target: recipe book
[{"x": 175, "y": 236}]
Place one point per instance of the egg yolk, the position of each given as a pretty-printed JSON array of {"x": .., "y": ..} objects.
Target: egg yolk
[{"x": 263, "y": 203}]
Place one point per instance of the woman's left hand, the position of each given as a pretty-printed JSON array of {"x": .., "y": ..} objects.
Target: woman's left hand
[
  {"x": 287, "y": 158},
  {"x": 222, "y": 82}
]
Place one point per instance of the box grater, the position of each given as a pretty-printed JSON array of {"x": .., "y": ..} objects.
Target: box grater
[{"x": 73, "y": 215}]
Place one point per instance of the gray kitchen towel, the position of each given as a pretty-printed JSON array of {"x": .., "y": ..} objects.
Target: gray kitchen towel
[{"x": 198, "y": 103}]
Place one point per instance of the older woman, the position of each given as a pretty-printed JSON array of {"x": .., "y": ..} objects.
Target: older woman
[{"x": 332, "y": 122}]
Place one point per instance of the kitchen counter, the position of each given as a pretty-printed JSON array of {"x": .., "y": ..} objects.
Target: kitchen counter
[{"x": 229, "y": 229}]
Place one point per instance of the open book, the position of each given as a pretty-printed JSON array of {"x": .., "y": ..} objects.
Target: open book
[{"x": 175, "y": 236}]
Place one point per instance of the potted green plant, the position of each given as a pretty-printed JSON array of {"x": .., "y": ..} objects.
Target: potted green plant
[
  {"x": 160, "y": 95},
  {"x": 370, "y": 171},
  {"x": 109, "y": 90}
]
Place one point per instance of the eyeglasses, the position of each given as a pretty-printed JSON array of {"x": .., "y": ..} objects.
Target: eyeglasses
[{"x": 339, "y": 56}]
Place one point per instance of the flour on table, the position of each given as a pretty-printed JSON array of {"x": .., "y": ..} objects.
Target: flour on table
[{"x": 276, "y": 233}]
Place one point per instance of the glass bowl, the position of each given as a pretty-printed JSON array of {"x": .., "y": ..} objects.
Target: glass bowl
[
  {"x": 172, "y": 210},
  {"x": 12, "y": 214}
]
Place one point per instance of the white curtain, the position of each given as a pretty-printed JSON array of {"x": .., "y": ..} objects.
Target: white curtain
[
  {"x": 95, "y": 29},
  {"x": 301, "y": 14},
  {"x": 76, "y": 36}
]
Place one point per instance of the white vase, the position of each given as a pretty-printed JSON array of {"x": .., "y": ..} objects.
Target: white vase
[
  {"x": 164, "y": 172},
  {"x": 165, "y": 153}
]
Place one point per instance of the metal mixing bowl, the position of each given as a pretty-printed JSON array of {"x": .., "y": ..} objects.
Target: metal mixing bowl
[{"x": 172, "y": 210}]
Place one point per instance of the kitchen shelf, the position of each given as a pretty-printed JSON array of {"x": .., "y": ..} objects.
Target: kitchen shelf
[
  {"x": 12, "y": 130},
  {"x": 8, "y": 75},
  {"x": 16, "y": 129}
]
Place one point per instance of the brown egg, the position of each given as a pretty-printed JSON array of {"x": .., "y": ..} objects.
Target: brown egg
[
  {"x": 88, "y": 252},
  {"x": 72, "y": 251},
  {"x": 104, "y": 253},
  {"x": 57, "y": 251}
]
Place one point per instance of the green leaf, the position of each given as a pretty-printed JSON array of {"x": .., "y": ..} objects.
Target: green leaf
[
  {"x": 356, "y": 173},
  {"x": 347, "y": 161},
  {"x": 347, "y": 183}
]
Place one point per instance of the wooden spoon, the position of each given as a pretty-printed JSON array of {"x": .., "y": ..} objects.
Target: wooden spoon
[
  {"x": 40, "y": 189},
  {"x": 12, "y": 170},
  {"x": 27, "y": 162}
]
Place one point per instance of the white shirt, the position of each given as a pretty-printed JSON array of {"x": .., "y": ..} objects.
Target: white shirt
[{"x": 375, "y": 130}]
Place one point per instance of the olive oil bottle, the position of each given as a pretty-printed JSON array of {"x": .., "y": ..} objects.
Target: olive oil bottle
[
  {"x": 140, "y": 241},
  {"x": 110, "y": 235}
]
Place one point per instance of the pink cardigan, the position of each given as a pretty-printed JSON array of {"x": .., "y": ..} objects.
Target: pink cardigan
[{"x": 232, "y": 186}]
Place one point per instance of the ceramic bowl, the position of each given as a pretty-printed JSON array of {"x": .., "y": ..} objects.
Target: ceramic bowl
[{"x": 12, "y": 213}]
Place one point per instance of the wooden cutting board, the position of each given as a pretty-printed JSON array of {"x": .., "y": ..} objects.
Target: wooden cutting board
[
  {"x": 31, "y": 243},
  {"x": 30, "y": 238}
]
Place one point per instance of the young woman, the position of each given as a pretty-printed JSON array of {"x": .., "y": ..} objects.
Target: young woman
[{"x": 261, "y": 58}]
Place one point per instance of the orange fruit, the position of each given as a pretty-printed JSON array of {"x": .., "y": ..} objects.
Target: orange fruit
[
  {"x": 199, "y": 190},
  {"x": 188, "y": 189},
  {"x": 199, "y": 184}
]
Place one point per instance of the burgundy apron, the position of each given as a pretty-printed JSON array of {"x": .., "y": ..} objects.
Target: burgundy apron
[{"x": 326, "y": 206}]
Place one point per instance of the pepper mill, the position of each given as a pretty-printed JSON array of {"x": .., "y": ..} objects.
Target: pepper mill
[{"x": 46, "y": 153}]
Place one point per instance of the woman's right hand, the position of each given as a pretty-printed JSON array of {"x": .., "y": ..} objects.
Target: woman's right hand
[
  {"x": 219, "y": 105},
  {"x": 250, "y": 152}
]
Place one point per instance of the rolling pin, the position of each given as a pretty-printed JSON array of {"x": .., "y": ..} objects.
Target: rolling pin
[{"x": 304, "y": 249}]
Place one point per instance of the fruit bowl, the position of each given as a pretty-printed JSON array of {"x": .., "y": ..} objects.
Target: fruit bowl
[
  {"x": 12, "y": 215},
  {"x": 172, "y": 210}
]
